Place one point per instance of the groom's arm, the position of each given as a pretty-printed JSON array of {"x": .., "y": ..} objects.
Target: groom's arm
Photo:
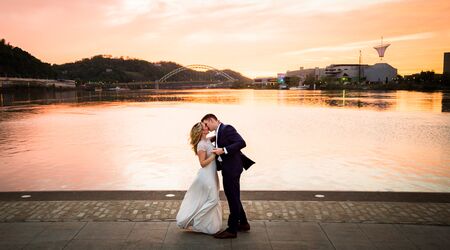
[{"x": 236, "y": 141}]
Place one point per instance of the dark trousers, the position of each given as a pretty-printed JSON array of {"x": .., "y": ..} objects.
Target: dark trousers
[{"x": 232, "y": 190}]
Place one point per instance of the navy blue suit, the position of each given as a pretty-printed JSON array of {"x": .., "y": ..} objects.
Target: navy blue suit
[{"x": 232, "y": 167}]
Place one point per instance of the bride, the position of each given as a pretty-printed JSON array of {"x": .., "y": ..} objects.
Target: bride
[{"x": 201, "y": 207}]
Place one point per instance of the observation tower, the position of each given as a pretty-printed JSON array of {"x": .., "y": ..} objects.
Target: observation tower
[{"x": 381, "y": 49}]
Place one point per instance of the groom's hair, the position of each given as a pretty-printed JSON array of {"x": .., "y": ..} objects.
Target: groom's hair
[{"x": 209, "y": 116}]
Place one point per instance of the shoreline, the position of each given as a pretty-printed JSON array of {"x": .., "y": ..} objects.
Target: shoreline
[
  {"x": 310, "y": 195},
  {"x": 339, "y": 88}
]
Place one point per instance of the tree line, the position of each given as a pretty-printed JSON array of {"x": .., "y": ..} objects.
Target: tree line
[{"x": 15, "y": 62}]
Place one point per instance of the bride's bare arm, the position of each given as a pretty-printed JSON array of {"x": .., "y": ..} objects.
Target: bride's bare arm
[{"x": 204, "y": 161}]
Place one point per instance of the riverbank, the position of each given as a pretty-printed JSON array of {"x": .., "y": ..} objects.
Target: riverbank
[
  {"x": 27, "y": 83},
  {"x": 425, "y": 87},
  {"x": 422, "y": 87}
]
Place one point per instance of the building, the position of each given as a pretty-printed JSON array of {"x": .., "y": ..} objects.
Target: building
[
  {"x": 303, "y": 73},
  {"x": 265, "y": 81},
  {"x": 446, "y": 63},
  {"x": 380, "y": 72},
  {"x": 346, "y": 72},
  {"x": 280, "y": 78}
]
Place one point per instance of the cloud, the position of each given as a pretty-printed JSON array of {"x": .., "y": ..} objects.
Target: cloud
[
  {"x": 295, "y": 8},
  {"x": 217, "y": 37},
  {"x": 126, "y": 11},
  {"x": 331, "y": 6},
  {"x": 362, "y": 44},
  {"x": 254, "y": 35},
  {"x": 417, "y": 36}
]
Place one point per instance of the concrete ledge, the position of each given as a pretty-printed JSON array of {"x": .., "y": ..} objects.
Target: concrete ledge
[{"x": 245, "y": 195}]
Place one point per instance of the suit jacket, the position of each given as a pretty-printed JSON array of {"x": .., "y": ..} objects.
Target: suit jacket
[
  {"x": 234, "y": 161},
  {"x": 246, "y": 162}
]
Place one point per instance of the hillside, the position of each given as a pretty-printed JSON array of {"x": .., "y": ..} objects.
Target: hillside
[
  {"x": 108, "y": 69},
  {"x": 15, "y": 62}
]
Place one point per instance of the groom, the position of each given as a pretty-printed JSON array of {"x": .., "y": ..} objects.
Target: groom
[{"x": 230, "y": 160}]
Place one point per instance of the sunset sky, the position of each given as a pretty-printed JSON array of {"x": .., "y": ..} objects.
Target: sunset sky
[{"x": 254, "y": 37}]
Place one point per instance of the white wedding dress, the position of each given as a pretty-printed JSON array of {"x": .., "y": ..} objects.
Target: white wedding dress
[{"x": 200, "y": 208}]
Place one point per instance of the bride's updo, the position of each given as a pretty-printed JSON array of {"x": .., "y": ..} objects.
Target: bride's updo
[{"x": 196, "y": 135}]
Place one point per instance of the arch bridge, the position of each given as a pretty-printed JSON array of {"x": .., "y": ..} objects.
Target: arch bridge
[{"x": 196, "y": 67}]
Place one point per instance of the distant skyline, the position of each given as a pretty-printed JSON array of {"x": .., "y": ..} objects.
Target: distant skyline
[{"x": 254, "y": 37}]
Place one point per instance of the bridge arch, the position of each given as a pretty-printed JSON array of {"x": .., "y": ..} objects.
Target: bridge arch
[{"x": 195, "y": 67}]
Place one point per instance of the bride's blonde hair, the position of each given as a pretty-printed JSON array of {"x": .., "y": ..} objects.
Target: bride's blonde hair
[{"x": 196, "y": 136}]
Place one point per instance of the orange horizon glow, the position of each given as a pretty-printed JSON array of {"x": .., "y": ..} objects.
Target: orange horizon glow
[{"x": 253, "y": 37}]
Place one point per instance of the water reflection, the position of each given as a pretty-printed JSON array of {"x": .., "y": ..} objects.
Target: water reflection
[
  {"x": 301, "y": 140},
  {"x": 374, "y": 100},
  {"x": 446, "y": 102}
]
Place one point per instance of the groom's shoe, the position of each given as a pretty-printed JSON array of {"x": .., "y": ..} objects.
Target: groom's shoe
[
  {"x": 244, "y": 227},
  {"x": 225, "y": 235},
  {"x": 219, "y": 232}
]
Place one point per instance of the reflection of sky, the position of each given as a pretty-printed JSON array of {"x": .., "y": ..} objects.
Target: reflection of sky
[
  {"x": 298, "y": 140},
  {"x": 389, "y": 100}
]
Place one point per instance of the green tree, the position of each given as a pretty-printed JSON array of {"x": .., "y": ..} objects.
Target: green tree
[
  {"x": 15, "y": 62},
  {"x": 291, "y": 81},
  {"x": 310, "y": 79}
]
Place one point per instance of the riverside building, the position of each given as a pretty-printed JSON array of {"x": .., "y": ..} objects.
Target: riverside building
[
  {"x": 379, "y": 72},
  {"x": 265, "y": 81},
  {"x": 446, "y": 63},
  {"x": 302, "y": 73}
]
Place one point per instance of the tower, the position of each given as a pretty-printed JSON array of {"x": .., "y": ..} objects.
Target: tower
[
  {"x": 446, "y": 63},
  {"x": 381, "y": 49}
]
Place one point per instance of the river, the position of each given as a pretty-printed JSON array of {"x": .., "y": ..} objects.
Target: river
[{"x": 300, "y": 140}]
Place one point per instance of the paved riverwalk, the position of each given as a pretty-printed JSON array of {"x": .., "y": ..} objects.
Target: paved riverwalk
[
  {"x": 349, "y": 220},
  {"x": 263, "y": 235},
  {"x": 161, "y": 210}
]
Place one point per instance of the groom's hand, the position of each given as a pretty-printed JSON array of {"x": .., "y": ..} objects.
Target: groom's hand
[{"x": 218, "y": 151}]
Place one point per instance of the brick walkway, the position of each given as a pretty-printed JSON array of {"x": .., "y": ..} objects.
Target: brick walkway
[{"x": 166, "y": 210}]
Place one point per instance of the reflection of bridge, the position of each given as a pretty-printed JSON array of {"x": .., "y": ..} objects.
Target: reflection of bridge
[
  {"x": 156, "y": 85},
  {"x": 196, "y": 67}
]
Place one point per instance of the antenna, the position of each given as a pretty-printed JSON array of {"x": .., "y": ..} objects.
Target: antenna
[
  {"x": 359, "y": 67},
  {"x": 360, "y": 57},
  {"x": 381, "y": 49}
]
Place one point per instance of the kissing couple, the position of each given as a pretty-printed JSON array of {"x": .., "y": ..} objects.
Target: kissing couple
[{"x": 200, "y": 209}]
